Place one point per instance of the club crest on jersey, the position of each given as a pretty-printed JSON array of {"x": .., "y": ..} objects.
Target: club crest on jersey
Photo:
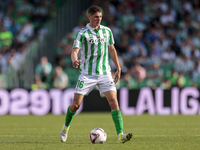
[{"x": 90, "y": 35}]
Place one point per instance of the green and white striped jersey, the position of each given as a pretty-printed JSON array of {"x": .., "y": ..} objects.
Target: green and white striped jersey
[{"x": 93, "y": 46}]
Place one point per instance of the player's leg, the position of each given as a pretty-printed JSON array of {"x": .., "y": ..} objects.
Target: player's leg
[
  {"x": 71, "y": 111},
  {"x": 111, "y": 96},
  {"x": 84, "y": 85},
  {"x": 117, "y": 117},
  {"x": 73, "y": 108},
  {"x": 107, "y": 88}
]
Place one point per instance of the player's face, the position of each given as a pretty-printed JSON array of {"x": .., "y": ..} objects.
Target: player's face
[{"x": 95, "y": 19}]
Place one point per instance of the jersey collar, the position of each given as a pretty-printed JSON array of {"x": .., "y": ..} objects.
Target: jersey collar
[{"x": 90, "y": 28}]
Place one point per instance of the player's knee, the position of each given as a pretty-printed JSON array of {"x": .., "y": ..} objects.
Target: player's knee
[
  {"x": 75, "y": 107},
  {"x": 113, "y": 103}
]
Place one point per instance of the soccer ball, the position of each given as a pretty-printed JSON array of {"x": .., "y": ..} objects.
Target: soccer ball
[{"x": 98, "y": 136}]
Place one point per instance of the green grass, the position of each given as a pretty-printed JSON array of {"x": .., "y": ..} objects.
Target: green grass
[{"x": 149, "y": 132}]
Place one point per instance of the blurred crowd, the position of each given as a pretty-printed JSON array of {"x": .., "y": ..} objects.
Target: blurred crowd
[
  {"x": 158, "y": 42},
  {"x": 21, "y": 21}
]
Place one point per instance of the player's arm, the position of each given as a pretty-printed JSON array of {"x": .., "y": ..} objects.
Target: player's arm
[
  {"x": 74, "y": 57},
  {"x": 113, "y": 55}
]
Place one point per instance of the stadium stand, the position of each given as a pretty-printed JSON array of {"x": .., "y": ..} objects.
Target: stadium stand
[
  {"x": 157, "y": 40},
  {"x": 21, "y": 22}
]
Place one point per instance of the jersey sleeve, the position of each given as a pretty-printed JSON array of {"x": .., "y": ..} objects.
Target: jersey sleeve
[
  {"x": 77, "y": 41},
  {"x": 111, "y": 38}
]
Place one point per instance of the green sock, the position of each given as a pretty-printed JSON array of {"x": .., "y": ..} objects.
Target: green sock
[
  {"x": 69, "y": 117},
  {"x": 117, "y": 118}
]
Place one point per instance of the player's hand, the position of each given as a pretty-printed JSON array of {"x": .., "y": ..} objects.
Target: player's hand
[
  {"x": 76, "y": 63},
  {"x": 117, "y": 76}
]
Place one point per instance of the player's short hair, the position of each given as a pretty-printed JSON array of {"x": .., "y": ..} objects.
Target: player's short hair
[{"x": 93, "y": 9}]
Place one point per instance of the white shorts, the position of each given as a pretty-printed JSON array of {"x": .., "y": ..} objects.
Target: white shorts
[{"x": 86, "y": 83}]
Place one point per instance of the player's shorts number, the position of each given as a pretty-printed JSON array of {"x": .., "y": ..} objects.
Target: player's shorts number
[{"x": 80, "y": 84}]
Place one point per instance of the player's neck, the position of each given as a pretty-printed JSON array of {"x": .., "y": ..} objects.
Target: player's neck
[{"x": 94, "y": 27}]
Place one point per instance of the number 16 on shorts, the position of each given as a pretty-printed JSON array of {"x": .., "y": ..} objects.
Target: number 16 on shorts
[{"x": 80, "y": 84}]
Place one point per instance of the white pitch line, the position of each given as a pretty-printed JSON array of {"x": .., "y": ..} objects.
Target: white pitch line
[
  {"x": 107, "y": 135},
  {"x": 162, "y": 135},
  {"x": 27, "y": 129},
  {"x": 19, "y": 135}
]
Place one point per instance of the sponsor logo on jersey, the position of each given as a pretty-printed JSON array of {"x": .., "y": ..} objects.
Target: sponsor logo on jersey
[{"x": 100, "y": 40}]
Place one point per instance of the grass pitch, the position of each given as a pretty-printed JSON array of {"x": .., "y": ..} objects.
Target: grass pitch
[{"x": 149, "y": 132}]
